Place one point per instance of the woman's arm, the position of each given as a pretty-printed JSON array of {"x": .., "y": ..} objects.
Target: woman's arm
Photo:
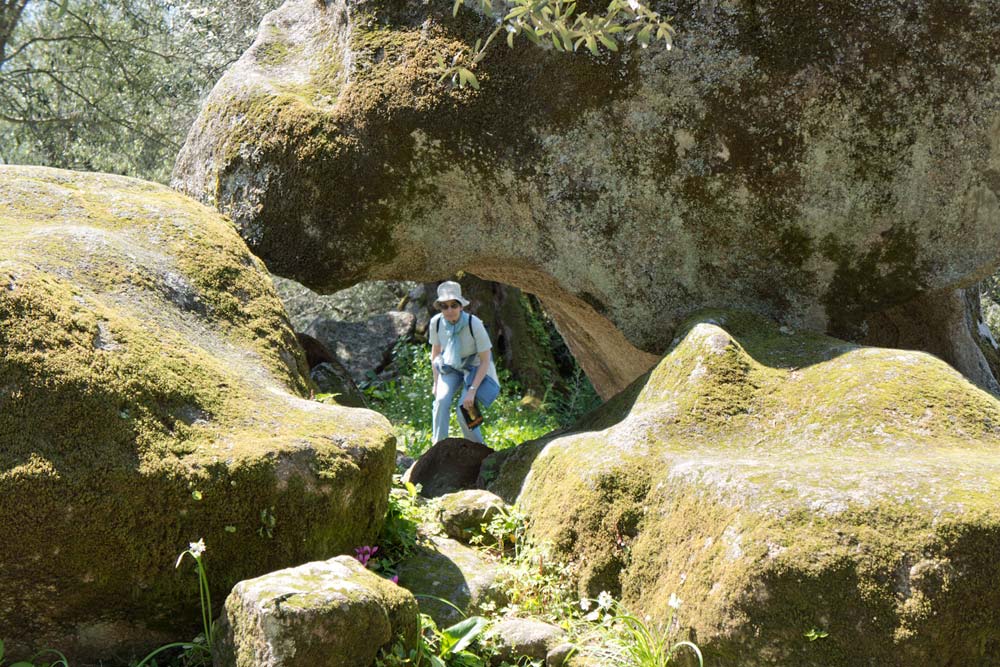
[
  {"x": 481, "y": 371},
  {"x": 435, "y": 352}
]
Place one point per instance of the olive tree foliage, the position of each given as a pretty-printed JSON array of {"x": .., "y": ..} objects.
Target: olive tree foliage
[
  {"x": 112, "y": 85},
  {"x": 559, "y": 25}
]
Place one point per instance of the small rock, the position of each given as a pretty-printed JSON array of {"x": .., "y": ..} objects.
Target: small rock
[
  {"x": 331, "y": 612},
  {"x": 450, "y": 465},
  {"x": 403, "y": 462},
  {"x": 463, "y": 513},
  {"x": 527, "y": 637},
  {"x": 560, "y": 655}
]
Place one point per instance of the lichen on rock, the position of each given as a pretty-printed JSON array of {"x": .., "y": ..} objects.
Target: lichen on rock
[
  {"x": 818, "y": 165},
  {"x": 322, "y": 613},
  {"x": 152, "y": 394},
  {"x": 778, "y": 481}
]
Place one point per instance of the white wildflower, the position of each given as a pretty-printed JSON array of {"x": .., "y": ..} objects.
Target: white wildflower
[
  {"x": 604, "y": 600},
  {"x": 634, "y": 4},
  {"x": 585, "y": 604},
  {"x": 197, "y": 548},
  {"x": 674, "y": 602}
]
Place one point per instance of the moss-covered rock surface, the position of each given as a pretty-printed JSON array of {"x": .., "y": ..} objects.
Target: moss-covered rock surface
[
  {"x": 814, "y": 163},
  {"x": 323, "y": 613},
  {"x": 780, "y": 483},
  {"x": 152, "y": 394}
]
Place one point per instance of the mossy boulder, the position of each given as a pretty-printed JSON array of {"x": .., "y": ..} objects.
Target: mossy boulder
[
  {"x": 333, "y": 613},
  {"x": 780, "y": 482},
  {"x": 814, "y": 163},
  {"x": 152, "y": 393}
]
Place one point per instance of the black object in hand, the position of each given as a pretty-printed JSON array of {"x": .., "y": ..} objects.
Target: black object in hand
[{"x": 473, "y": 417}]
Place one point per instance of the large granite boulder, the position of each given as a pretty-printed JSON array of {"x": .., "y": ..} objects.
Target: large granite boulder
[
  {"x": 151, "y": 394},
  {"x": 817, "y": 163},
  {"x": 780, "y": 482},
  {"x": 359, "y": 325}
]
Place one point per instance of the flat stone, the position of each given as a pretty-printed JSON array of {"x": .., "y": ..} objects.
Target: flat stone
[
  {"x": 444, "y": 568},
  {"x": 526, "y": 637}
]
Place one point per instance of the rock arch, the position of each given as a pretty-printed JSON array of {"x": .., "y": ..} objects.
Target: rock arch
[{"x": 820, "y": 167}]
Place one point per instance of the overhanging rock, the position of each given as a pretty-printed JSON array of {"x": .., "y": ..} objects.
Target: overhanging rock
[{"x": 816, "y": 164}]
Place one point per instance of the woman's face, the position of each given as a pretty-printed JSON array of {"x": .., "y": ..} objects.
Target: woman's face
[{"x": 451, "y": 310}]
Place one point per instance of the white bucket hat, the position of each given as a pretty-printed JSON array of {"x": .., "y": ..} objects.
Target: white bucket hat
[{"x": 449, "y": 290}]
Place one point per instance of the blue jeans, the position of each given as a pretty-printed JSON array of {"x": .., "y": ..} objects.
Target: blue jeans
[{"x": 447, "y": 385}]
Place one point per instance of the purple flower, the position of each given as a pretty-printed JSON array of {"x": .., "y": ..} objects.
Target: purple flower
[{"x": 364, "y": 554}]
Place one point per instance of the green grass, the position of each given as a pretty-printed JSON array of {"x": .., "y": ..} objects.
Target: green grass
[{"x": 406, "y": 401}]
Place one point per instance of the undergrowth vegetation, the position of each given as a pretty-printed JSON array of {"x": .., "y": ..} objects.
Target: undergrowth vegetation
[{"x": 530, "y": 584}]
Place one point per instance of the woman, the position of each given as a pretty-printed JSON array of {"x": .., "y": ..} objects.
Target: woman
[{"x": 460, "y": 357}]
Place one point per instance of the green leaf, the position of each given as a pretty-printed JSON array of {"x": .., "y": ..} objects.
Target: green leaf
[
  {"x": 644, "y": 35},
  {"x": 454, "y": 11},
  {"x": 608, "y": 42},
  {"x": 463, "y": 633},
  {"x": 815, "y": 634},
  {"x": 196, "y": 494},
  {"x": 510, "y": 39},
  {"x": 592, "y": 44},
  {"x": 230, "y": 529},
  {"x": 465, "y": 77}
]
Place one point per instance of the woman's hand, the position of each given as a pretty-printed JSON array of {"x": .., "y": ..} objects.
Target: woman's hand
[{"x": 470, "y": 398}]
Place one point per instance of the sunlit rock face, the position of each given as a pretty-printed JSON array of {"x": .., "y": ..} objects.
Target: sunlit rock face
[
  {"x": 152, "y": 394},
  {"x": 781, "y": 482},
  {"x": 815, "y": 163}
]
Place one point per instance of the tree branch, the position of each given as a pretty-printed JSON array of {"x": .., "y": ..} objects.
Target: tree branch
[{"x": 10, "y": 15}]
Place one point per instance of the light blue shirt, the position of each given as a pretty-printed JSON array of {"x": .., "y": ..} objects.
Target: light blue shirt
[{"x": 472, "y": 340}]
